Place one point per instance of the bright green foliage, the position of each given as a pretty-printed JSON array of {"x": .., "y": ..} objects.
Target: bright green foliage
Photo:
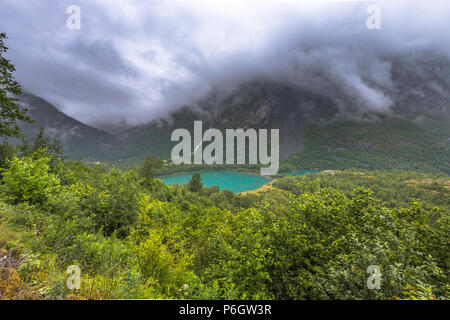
[
  {"x": 322, "y": 246},
  {"x": 7, "y": 152},
  {"x": 29, "y": 179},
  {"x": 310, "y": 237},
  {"x": 97, "y": 254},
  {"x": 395, "y": 188},
  {"x": 114, "y": 201},
  {"x": 157, "y": 264}
]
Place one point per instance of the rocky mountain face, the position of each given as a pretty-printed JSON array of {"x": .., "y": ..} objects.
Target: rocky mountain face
[
  {"x": 255, "y": 105},
  {"x": 78, "y": 139},
  {"x": 420, "y": 89}
]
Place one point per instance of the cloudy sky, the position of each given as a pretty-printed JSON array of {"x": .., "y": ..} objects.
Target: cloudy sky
[{"x": 134, "y": 60}]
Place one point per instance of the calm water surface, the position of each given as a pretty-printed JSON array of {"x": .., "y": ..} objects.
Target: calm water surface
[{"x": 230, "y": 180}]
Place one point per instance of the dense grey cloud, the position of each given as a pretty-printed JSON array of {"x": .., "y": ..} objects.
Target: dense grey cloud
[{"x": 134, "y": 60}]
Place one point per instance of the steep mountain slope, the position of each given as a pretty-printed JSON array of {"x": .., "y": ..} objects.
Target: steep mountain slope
[
  {"x": 317, "y": 131},
  {"x": 254, "y": 105},
  {"x": 77, "y": 139},
  {"x": 393, "y": 143}
]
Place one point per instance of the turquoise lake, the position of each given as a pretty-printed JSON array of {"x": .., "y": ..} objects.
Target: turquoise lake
[{"x": 230, "y": 180}]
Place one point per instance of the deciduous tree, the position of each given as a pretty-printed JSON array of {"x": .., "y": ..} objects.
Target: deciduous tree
[{"x": 10, "y": 112}]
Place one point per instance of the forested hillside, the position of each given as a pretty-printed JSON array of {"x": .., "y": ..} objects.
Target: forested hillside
[
  {"x": 134, "y": 237},
  {"x": 310, "y": 136},
  {"x": 394, "y": 143}
]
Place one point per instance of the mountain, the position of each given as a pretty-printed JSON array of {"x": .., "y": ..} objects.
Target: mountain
[
  {"x": 255, "y": 105},
  {"x": 316, "y": 132},
  {"x": 77, "y": 139}
]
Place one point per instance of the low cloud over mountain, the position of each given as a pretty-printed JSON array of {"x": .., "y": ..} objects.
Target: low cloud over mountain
[{"x": 133, "y": 62}]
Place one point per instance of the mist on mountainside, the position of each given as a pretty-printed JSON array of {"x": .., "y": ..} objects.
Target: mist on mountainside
[{"x": 132, "y": 62}]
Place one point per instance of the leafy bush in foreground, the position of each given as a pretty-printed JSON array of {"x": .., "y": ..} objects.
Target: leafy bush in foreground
[{"x": 307, "y": 238}]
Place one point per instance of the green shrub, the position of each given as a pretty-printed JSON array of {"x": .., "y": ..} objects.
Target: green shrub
[{"x": 29, "y": 179}]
